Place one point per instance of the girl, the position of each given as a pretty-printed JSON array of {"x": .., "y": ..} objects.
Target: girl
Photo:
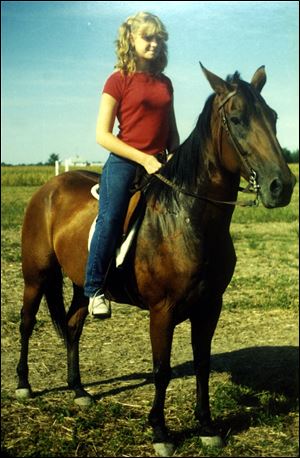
[{"x": 140, "y": 96}]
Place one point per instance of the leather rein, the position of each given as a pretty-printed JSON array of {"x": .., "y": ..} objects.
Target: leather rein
[{"x": 253, "y": 186}]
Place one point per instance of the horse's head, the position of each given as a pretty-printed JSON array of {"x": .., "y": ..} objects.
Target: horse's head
[{"x": 247, "y": 139}]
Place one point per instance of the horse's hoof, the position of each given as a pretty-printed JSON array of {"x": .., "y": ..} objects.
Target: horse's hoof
[
  {"x": 84, "y": 401},
  {"x": 164, "y": 448},
  {"x": 212, "y": 441},
  {"x": 23, "y": 393}
]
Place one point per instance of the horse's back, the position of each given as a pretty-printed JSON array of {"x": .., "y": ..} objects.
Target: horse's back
[{"x": 63, "y": 205}]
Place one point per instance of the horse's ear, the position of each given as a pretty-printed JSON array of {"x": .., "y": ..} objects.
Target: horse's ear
[
  {"x": 259, "y": 78},
  {"x": 220, "y": 86}
]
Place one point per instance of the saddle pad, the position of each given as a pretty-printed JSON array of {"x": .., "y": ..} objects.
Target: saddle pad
[{"x": 126, "y": 244}]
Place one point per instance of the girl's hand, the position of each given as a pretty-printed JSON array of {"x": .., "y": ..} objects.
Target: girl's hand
[{"x": 151, "y": 164}]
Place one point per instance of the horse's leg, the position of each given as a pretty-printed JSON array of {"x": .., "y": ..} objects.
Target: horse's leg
[
  {"x": 75, "y": 320},
  {"x": 31, "y": 300},
  {"x": 161, "y": 332},
  {"x": 203, "y": 324}
]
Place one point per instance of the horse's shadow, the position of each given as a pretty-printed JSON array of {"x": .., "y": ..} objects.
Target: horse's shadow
[
  {"x": 271, "y": 369},
  {"x": 262, "y": 369}
]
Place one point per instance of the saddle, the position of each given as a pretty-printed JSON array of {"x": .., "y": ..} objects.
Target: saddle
[
  {"x": 116, "y": 284},
  {"x": 131, "y": 223}
]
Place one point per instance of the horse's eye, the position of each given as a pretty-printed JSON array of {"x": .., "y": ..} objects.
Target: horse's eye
[{"x": 235, "y": 120}]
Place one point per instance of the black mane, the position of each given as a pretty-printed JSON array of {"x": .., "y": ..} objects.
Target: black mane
[
  {"x": 246, "y": 88},
  {"x": 234, "y": 79}
]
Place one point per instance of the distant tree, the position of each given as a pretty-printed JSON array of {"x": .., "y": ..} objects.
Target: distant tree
[
  {"x": 295, "y": 155},
  {"x": 52, "y": 158},
  {"x": 290, "y": 157}
]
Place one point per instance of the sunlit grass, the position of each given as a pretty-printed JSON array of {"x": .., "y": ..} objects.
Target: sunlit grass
[{"x": 32, "y": 175}]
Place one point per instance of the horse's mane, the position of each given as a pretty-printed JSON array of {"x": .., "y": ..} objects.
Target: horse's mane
[
  {"x": 234, "y": 79},
  {"x": 246, "y": 87}
]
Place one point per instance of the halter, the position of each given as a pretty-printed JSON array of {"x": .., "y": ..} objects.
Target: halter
[{"x": 253, "y": 186}]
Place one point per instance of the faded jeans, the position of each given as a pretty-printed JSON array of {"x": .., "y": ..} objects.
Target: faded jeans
[{"x": 117, "y": 177}]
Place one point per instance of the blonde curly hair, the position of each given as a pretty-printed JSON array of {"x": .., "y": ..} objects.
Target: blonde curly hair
[{"x": 144, "y": 24}]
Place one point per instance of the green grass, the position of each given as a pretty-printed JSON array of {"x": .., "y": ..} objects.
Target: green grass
[
  {"x": 251, "y": 421},
  {"x": 13, "y": 203},
  {"x": 32, "y": 175},
  {"x": 29, "y": 175}
]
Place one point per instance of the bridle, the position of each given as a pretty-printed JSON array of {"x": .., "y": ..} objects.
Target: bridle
[{"x": 253, "y": 186}]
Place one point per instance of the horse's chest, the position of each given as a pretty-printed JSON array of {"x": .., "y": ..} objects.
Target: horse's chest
[
  {"x": 165, "y": 266},
  {"x": 175, "y": 259}
]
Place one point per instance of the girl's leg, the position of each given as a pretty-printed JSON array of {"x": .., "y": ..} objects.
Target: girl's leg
[{"x": 117, "y": 177}]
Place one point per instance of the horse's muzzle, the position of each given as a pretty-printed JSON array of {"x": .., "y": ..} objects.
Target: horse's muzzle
[{"x": 277, "y": 192}]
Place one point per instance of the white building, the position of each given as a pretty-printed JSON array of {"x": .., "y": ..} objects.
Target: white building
[{"x": 76, "y": 161}]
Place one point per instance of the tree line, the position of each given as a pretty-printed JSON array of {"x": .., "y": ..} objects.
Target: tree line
[{"x": 291, "y": 157}]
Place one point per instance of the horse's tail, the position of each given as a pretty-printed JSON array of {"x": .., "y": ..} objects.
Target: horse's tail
[{"x": 53, "y": 289}]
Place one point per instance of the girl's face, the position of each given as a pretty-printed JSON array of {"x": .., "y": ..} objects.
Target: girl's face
[{"x": 147, "y": 46}]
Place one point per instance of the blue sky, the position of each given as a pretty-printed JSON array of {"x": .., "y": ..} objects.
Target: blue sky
[{"x": 56, "y": 56}]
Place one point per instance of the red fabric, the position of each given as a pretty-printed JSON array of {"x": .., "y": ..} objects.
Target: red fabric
[{"x": 143, "y": 111}]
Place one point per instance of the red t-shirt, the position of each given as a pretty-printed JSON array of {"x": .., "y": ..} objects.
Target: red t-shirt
[{"x": 143, "y": 110}]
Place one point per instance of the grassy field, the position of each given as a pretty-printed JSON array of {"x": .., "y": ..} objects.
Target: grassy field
[
  {"x": 31, "y": 175},
  {"x": 253, "y": 383}
]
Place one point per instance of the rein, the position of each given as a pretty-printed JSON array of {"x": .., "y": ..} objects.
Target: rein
[
  {"x": 247, "y": 203},
  {"x": 253, "y": 186}
]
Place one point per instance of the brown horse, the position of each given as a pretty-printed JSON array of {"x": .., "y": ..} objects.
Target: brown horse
[{"x": 183, "y": 257}]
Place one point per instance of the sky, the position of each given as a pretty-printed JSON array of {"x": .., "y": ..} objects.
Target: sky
[{"x": 56, "y": 56}]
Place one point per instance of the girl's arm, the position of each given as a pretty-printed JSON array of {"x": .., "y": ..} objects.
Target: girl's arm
[{"x": 105, "y": 137}]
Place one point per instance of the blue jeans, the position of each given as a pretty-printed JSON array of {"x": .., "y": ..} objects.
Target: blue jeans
[{"x": 115, "y": 183}]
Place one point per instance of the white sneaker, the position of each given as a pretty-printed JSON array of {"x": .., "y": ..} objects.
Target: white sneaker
[{"x": 99, "y": 307}]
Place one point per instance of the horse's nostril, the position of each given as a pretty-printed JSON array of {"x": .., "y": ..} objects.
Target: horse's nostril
[{"x": 276, "y": 187}]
